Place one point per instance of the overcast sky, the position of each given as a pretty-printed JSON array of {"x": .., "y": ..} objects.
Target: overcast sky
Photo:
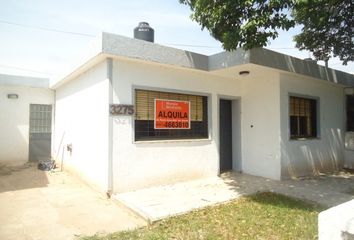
[{"x": 39, "y": 37}]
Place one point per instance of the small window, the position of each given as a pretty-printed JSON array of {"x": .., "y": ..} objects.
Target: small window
[
  {"x": 144, "y": 116},
  {"x": 350, "y": 113},
  {"x": 303, "y": 118}
]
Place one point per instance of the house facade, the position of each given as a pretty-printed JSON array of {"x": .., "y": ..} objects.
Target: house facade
[{"x": 133, "y": 114}]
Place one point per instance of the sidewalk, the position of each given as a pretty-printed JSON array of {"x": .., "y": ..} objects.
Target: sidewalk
[{"x": 160, "y": 202}]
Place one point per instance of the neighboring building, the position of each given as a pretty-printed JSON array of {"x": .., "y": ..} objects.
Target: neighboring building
[
  {"x": 25, "y": 119},
  {"x": 258, "y": 111}
]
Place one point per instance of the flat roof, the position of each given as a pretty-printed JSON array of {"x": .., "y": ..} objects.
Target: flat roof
[
  {"x": 112, "y": 45},
  {"x": 15, "y": 80}
]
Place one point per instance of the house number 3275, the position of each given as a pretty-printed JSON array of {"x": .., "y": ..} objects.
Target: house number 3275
[{"x": 121, "y": 109}]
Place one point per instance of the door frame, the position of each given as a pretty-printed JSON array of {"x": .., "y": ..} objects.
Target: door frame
[
  {"x": 32, "y": 140},
  {"x": 236, "y": 131}
]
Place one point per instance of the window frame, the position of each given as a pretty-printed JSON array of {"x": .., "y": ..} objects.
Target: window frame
[
  {"x": 317, "y": 115},
  {"x": 173, "y": 91}
]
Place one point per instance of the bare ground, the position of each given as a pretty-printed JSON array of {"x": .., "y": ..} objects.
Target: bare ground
[{"x": 52, "y": 205}]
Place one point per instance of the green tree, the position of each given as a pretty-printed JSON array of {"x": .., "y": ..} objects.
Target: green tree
[
  {"x": 328, "y": 28},
  {"x": 327, "y": 25}
]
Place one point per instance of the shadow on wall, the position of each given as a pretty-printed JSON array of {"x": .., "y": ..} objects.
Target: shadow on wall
[
  {"x": 228, "y": 59},
  {"x": 20, "y": 177},
  {"x": 197, "y": 61},
  {"x": 312, "y": 157}
]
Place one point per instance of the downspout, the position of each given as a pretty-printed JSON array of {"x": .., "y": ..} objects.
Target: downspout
[{"x": 110, "y": 127}]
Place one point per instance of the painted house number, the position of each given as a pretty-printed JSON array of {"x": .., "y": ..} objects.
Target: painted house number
[{"x": 121, "y": 109}]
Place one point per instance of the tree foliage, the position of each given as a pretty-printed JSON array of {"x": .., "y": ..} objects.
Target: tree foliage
[
  {"x": 328, "y": 25},
  {"x": 328, "y": 28}
]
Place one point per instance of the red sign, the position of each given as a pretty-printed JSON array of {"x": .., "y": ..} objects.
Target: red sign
[{"x": 172, "y": 114}]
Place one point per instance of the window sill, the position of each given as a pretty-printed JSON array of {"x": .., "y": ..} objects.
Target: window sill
[
  {"x": 304, "y": 138},
  {"x": 173, "y": 141}
]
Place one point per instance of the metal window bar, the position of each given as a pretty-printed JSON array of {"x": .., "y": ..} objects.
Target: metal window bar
[
  {"x": 144, "y": 117},
  {"x": 303, "y": 109},
  {"x": 40, "y": 118}
]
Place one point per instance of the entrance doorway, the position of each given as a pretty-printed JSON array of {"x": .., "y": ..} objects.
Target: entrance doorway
[
  {"x": 225, "y": 131},
  {"x": 40, "y": 131},
  {"x": 230, "y": 135}
]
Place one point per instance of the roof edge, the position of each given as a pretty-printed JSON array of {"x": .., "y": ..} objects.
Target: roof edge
[
  {"x": 272, "y": 59},
  {"x": 113, "y": 44},
  {"x": 25, "y": 81},
  {"x": 108, "y": 44},
  {"x": 228, "y": 59}
]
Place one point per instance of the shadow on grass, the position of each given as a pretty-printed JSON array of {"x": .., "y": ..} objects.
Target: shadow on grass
[{"x": 282, "y": 201}]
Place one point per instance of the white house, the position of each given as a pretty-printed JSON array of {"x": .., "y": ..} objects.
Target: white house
[
  {"x": 257, "y": 111},
  {"x": 25, "y": 119}
]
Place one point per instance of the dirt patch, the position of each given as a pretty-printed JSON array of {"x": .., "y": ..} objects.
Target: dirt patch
[{"x": 6, "y": 169}]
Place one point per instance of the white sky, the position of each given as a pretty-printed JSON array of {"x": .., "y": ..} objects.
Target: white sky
[{"x": 35, "y": 52}]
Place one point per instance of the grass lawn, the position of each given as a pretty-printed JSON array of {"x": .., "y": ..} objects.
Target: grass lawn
[{"x": 260, "y": 216}]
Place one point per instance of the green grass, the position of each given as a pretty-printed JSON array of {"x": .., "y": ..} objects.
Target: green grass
[{"x": 260, "y": 216}]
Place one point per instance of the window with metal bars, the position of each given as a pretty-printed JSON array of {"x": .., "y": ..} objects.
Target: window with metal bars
[
  {"x": 350, "y": 113},
  {"x": 40, "y": 118},
  {"x": 144, "y": 116},
  {"x": 303, "y": 118}
]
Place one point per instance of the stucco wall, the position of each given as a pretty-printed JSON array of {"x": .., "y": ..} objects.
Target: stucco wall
[
  {"x": 14, "y": 120},
  {"x": 325, "y": 153},
  {"x": 142, "y": 164},
  {"x": 81, "y": 119},
  {"x": 261, "y": 124}
]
